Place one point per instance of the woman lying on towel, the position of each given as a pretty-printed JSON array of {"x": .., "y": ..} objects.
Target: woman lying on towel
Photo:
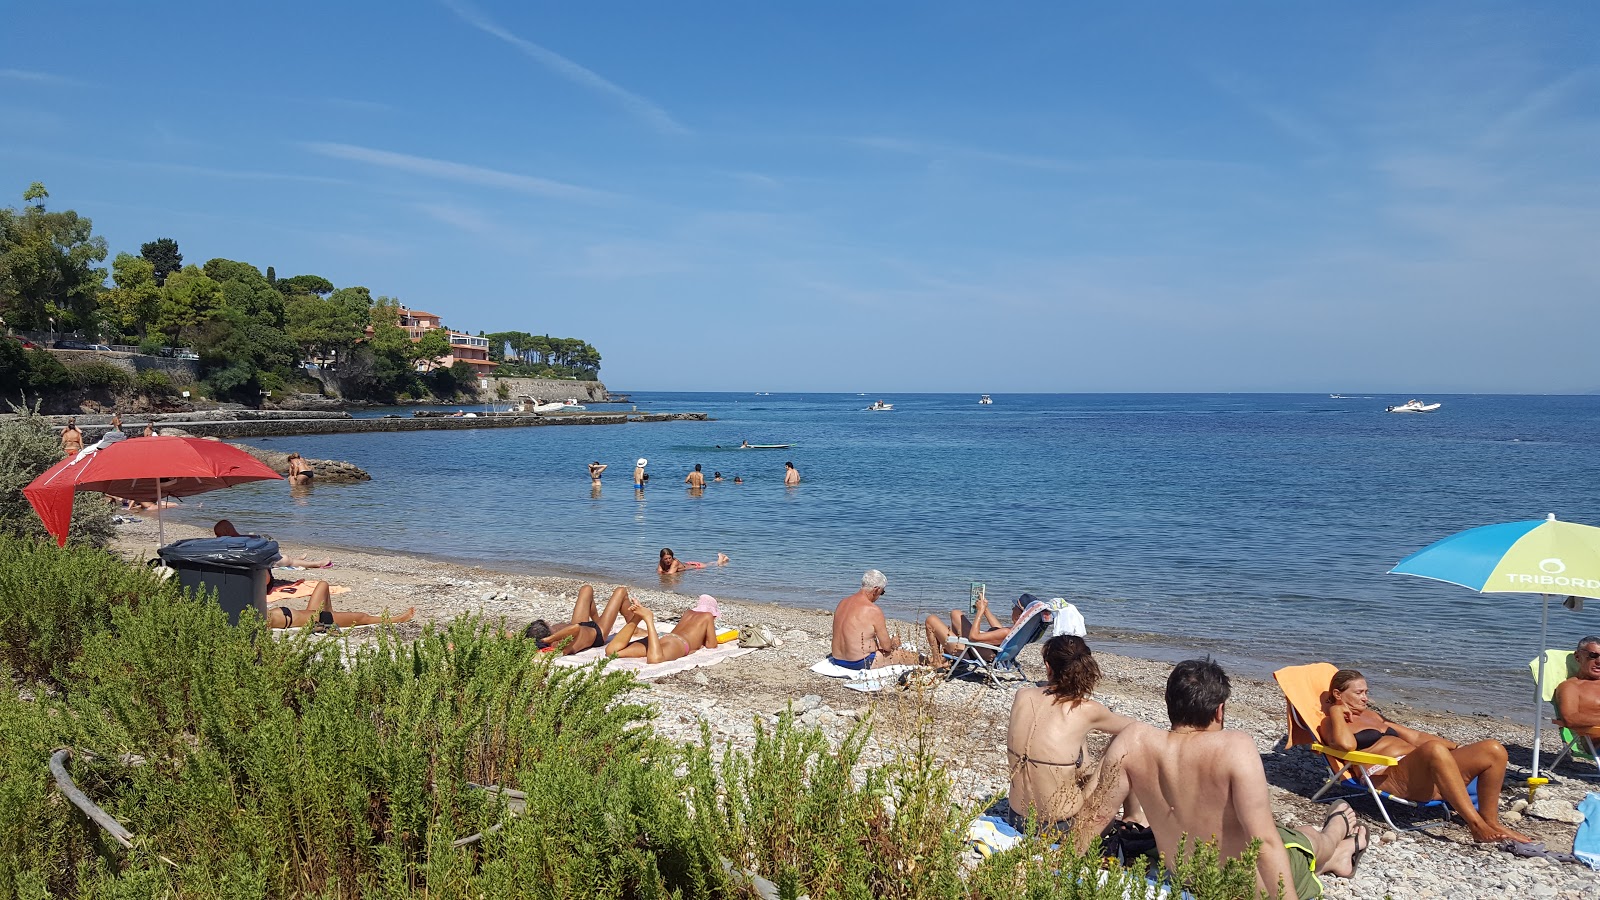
[
  {"x": 696, "y": 630},
  {"x": 1430, "y": 768},
  {"x": 1045, "y": 742},
  {"x": 587, "y": 628},
  {"x": 319, "y": 609}
]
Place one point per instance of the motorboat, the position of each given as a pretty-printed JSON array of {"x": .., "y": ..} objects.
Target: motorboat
[
  {"x": 572, "y": 405},
  {"x": 543, "y": 408},
  {"x": 985, "y": 400},
  {"x": 1413, "y": 406},
  {"x": 880, "y": 406}
]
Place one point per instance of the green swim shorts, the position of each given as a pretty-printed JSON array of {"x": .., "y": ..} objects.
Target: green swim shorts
[{"x": 1302, "y": 863}]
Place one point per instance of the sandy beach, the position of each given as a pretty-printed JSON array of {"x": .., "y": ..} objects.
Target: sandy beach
[{"x": 969, "y": 718}]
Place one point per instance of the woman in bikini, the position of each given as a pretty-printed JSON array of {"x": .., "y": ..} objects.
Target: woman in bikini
[
  {"x": 696, "y": 630},
  {"x": 588, "y": 627},
  {"x": 319, "y": 610},
  {"x": 1430, "y": 768},
  {"x": 1046, "y": 740}
]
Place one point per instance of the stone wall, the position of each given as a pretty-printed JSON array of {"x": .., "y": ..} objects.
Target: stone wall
[
  {"x": 549, "y": 390},
  {"x": 182, "y": 371}
]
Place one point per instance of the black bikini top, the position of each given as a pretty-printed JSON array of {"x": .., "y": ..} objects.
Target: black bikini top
[{"x": 1366, "y": 737}]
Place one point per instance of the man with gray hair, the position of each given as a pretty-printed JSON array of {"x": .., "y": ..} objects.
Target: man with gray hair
[
  {"x": 1578, "y": 698},
  {"x": 861, "y": 638}
]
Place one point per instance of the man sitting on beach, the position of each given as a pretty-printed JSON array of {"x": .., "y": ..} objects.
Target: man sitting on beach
[
  {"x": 696, "y": 630},
  {"x": 224, "y": 528},
  {"x": 861, "y": 638},
  {"x": 1578, "y": 698},
  {"x": 1199, "y": 782},
  {"x": 971, "y": 629}
]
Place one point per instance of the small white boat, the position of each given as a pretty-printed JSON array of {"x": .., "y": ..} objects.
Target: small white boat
[
  {"x": 985, "y": 400},
  {"x": 549, "y": 407},
  {"x": 1413, "y": 406},
  {"x": 880, "y": 406},
  {"x": 572, "y": 405}
]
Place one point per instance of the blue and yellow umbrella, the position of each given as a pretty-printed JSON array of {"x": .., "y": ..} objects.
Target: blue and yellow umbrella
[{"x": 1544, "y": 556}]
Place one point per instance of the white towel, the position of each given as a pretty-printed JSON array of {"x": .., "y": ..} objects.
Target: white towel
[{"x": 646, "y": 671}]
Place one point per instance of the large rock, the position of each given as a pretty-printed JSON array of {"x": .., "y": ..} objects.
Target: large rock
[{"x": 328, "y": 470}]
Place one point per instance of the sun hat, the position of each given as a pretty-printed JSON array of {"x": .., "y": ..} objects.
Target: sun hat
[
  {"x": 706, "y": 603},
  {"x": 642, "y": 462}
]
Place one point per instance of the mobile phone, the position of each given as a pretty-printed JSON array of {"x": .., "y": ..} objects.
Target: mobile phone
[{"x": 972, "y": 602}]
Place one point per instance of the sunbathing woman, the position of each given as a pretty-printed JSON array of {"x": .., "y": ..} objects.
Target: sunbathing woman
[
  {"x": 696, "y": 630},
  {"x": 1045, "y": 742},
  {"x": 319, "y": 611},
  {"x": 587, "y": 629},
  {"x": 1431, "y": 768}
]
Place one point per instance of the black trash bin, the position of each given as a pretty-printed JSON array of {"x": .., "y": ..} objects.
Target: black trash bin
[{"x": 236, "y": 569}]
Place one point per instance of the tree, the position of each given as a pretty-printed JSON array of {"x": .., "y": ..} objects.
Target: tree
[
  {"x": 134, "y": 305},
  {"x": 47, "y": 266},
  {"x": 188, "y": 299},
  {"x": 36, "y": 195},
  {"x": 272, "y": 276},
  {"x": 244, "y": 288},
  {"x": 163, "y": 254},
  {"x": 433, "y": 346},
  {"x": 325, "y": 327},
  {"x": 305, "y": 284}
]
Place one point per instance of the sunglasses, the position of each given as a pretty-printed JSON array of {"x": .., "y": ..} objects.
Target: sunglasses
[{"x": 1585, "y": 654}]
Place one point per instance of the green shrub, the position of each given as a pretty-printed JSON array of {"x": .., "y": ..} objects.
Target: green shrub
[
  {"x": 155, "y": 384},
  {"x": 152, "y": 344},
  {"x": 28, "y": 446},
  {"x": 96, "y": 375},
  {"x": 52, "y": 600}
]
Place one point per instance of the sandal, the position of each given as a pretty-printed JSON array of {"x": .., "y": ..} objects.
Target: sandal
[
  {"x": 1363, "y": 841},
  {"x": 1351, "y": 821}
]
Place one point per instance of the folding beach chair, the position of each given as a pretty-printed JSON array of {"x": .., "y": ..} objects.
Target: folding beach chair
[
  {"x": 1003, "y": 659},
  {"x": 1558, "y": 667},
  {"x": 1303, "y": 687}
]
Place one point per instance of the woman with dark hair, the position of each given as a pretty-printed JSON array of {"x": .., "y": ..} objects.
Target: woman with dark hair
[
  {"x": 1430, "y": 768},
  {"x": 589, "y": 626},
  {"x": 1046, "y": 740}
]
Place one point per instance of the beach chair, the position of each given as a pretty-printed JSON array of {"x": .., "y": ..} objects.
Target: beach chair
[
  {"x": 1004, "y": 656},
  {"x": 1303, "y": 687},
  {"x": 1558, "y": 667}
]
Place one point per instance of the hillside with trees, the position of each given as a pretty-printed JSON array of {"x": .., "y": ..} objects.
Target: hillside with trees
[{"x": 252, "y": 332}]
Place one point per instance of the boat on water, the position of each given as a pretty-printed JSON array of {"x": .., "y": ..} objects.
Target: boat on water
[
  {"x": 1337, "y": 397},
  {"x": 880, "y": 406},
  {"x": 985, "y": 400},
  {"x": 572, "y": 405},
  {"x": 1413, "y": 406},
  {"x": 542, "y": 408}
]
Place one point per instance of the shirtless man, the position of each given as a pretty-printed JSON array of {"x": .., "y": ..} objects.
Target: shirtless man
[
  {"x": 971, "y": 629},
  {"x": 1200, "y": 781},
  {"x": 1578, "y": 698},
  {"x": 696, "y": 630},
  {"x": 638, "y": 472},
  {"x": 861, "y": 638},
  {"x": 587, "y": 628},
  {"x": 71, "y": 438},
  {"x": 595, "y": 470},
  {"x": 791, "y": 475},
  {"x": 696, "y": 479}
]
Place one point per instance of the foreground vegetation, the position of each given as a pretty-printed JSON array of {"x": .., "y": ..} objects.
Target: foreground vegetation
[
  {"x": 252, "y": 765},
  {"x": 250, "y": 329}
]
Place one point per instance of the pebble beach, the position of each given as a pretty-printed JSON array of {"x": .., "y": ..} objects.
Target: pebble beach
[{"x": 968, "y": 717}]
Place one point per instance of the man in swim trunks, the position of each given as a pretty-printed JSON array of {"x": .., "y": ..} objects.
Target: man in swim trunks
[
  {"x": 696, "y": 479},
  {"x": 791, "y": 475},
  {"x": 696, "y": 630},
  {"x": 1578, "y": 698},
  {"x": 588, "y": 627},
  {"x": 861, "y": 638},
  {"x": 638, "y": 472},
  {"x": 1198, "y": 779}
]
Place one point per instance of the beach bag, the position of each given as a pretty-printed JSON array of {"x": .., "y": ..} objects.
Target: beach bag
[
  {"x": 757, "y": 637},
  {"x": 1127, "y": 841}
]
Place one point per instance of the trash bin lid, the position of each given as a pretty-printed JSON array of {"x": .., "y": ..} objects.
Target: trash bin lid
[{"x": 242, "y": 552}]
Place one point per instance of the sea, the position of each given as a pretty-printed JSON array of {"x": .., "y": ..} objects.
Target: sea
[{"x": 1255, "y": 528}]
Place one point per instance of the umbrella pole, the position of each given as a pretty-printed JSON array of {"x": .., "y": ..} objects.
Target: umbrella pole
[
  {"x": 161, "y": 531},
  {"x": 1538, "y": 697}
]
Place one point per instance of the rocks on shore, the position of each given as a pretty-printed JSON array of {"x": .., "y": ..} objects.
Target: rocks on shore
[{"x": 329, "y": 471}]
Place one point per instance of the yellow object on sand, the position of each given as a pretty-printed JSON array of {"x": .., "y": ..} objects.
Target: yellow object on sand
[{"x": 727, "y": 634}]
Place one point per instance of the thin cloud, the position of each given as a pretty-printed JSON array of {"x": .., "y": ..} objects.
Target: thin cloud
[
  {"x": 454, "y": 171},
  {"x": 41, "y": 78},
  {"x": 643, "y": 109}
]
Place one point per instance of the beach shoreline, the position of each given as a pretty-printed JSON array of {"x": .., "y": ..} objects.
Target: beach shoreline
[{"x": 969, "y": 718}]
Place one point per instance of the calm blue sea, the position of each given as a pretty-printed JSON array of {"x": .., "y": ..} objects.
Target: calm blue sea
[{"x": 1258, "y": 528}]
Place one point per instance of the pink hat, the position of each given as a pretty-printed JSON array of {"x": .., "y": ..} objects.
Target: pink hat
[{"x": 706, "y": 603}]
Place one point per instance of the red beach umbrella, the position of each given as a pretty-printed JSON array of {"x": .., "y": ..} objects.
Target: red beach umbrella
[{"x": 142, "y": 468}]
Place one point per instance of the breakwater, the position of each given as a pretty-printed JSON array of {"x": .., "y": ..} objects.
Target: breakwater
[{"x": 232, "y": 424}]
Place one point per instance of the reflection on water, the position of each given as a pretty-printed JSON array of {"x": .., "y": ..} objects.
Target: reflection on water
[{"x": 1259, "y": 526}]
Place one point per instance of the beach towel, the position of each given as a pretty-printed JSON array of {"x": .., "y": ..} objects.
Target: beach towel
[
  {"x": 1067, "y": 619},
  {"x": 991, "y": 834},
  {"x": 645, "y": 671},
  {"x": 1586, "y": 846},
  {"x": 300, "y": 590}
]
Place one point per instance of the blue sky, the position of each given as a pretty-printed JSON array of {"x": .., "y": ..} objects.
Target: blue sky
[{"x": 871, "y": 196}]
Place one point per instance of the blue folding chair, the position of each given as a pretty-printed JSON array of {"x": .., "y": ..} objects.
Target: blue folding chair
[{"x": 995, "y": 660}]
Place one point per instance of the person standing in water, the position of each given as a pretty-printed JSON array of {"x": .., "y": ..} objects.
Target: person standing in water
[
  {"x": 791, "y": 476},
  {"x": 71, "y": 438},
  {"x": 696, "y": 479},
  {"x": 638, "y": 472},
  {"x": 595, "y": 469}
]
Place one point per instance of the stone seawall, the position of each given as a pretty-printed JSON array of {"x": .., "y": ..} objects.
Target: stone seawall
[
  {"x": 182, "y": 371},
  {"x": 549, "y": 390}
]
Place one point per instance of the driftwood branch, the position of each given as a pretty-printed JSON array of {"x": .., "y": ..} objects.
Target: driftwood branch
[{"x": 65, "y": 784}]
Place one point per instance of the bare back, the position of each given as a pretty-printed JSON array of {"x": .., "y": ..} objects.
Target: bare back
[
  {"x": 698, "y": 630},
  {"x": 858, "y": 625},
  {"x": 1046, "y": 752}
]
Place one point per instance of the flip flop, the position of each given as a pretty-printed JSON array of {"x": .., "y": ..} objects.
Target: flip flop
[
  {"x": 1351, "y": 821},
  {"x": 1363, "y": 840}
]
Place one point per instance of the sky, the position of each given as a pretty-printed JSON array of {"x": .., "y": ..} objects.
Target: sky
[{"x": 879, "y": 197}]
